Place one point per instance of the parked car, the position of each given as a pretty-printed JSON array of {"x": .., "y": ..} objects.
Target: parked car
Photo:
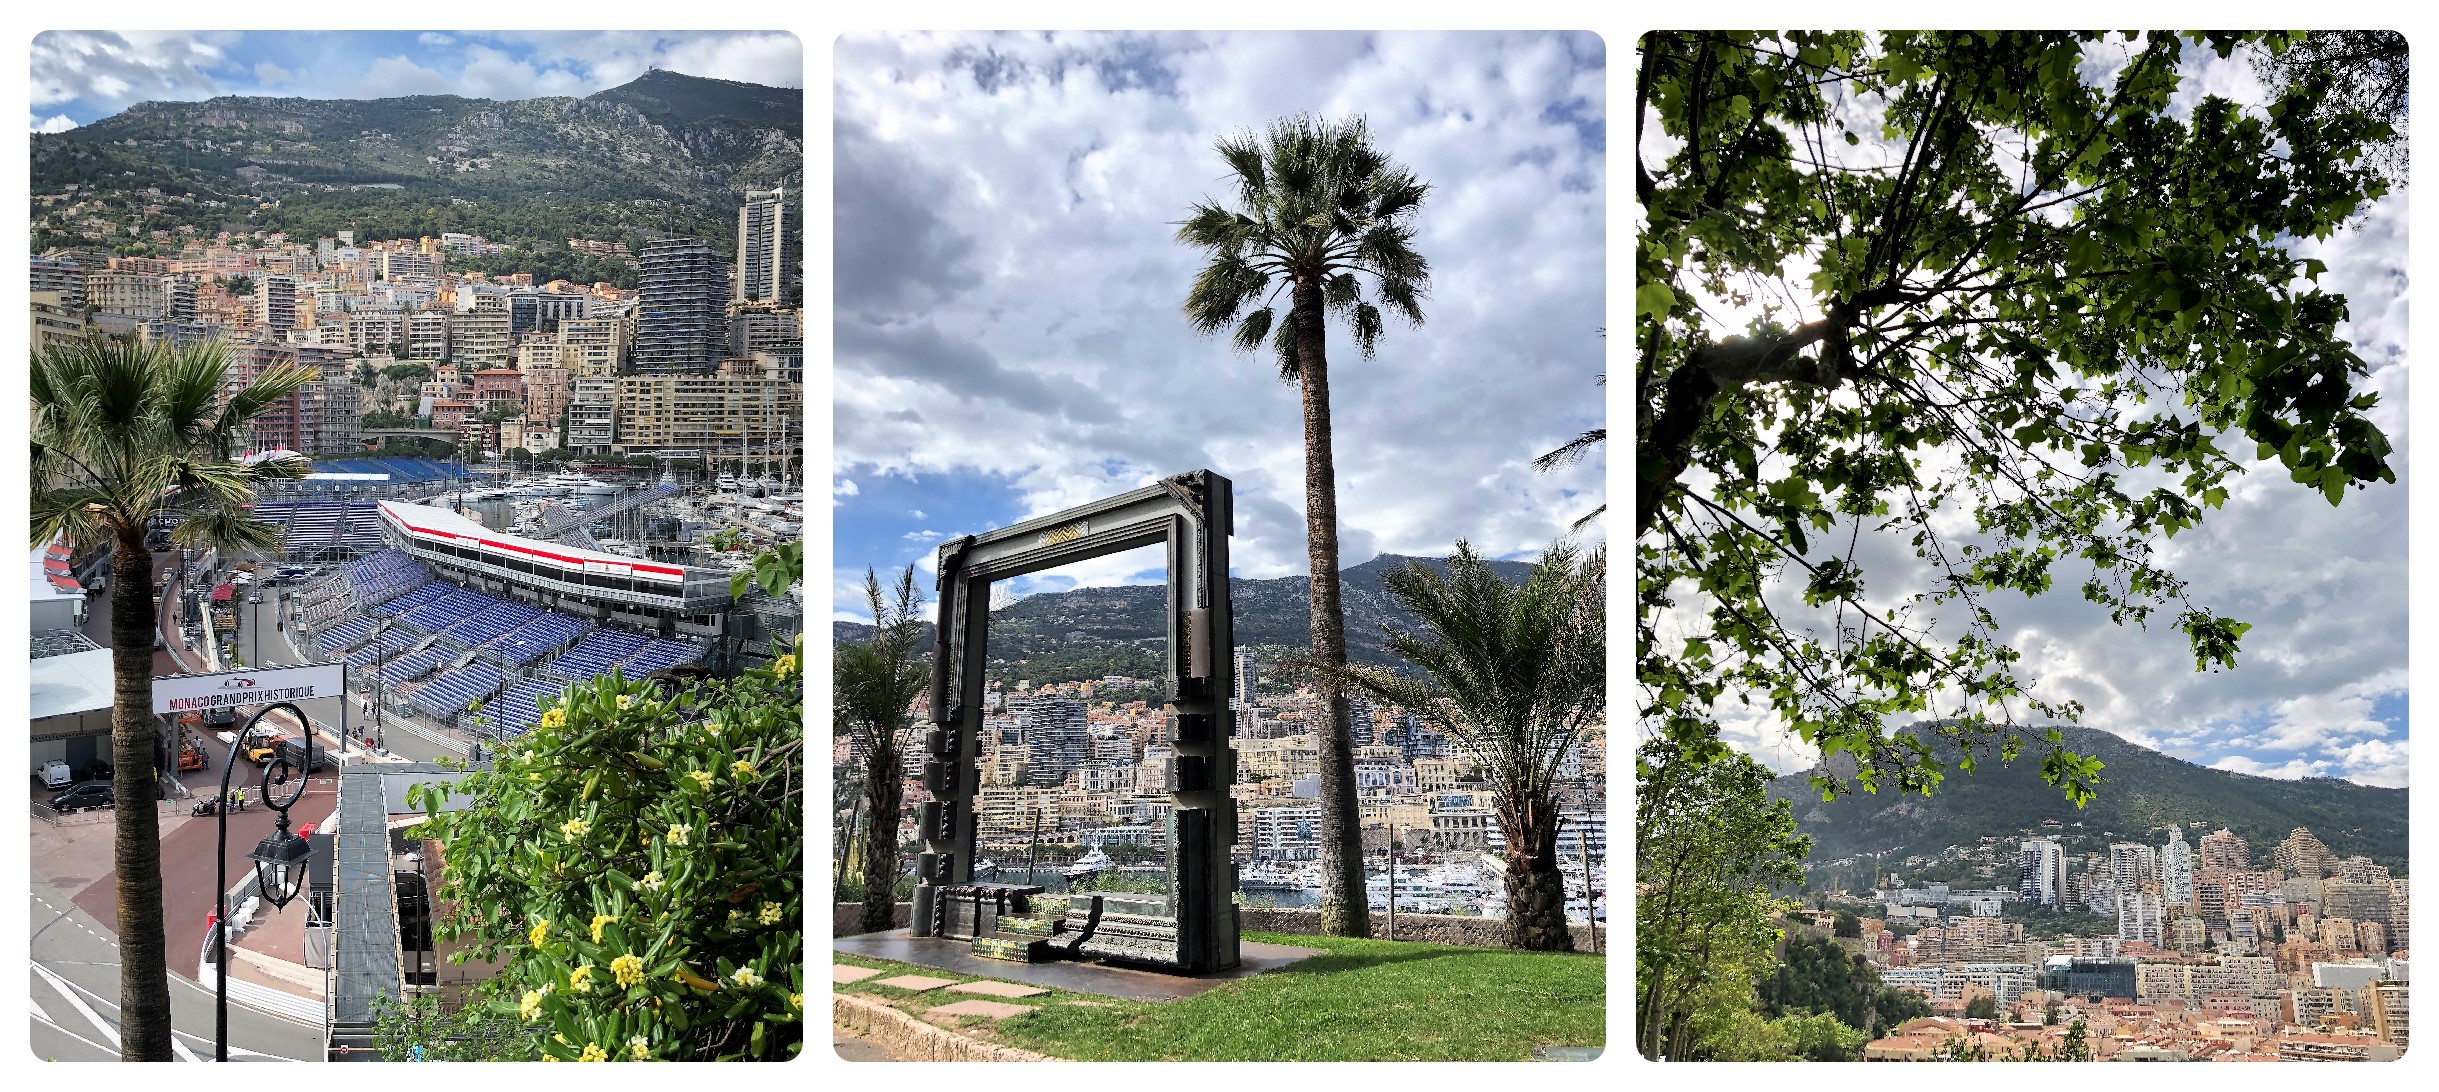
[
  {"x": 255, "y": 598},
  {"x": 54, "y": 774},
  {"x": 91, "y": 794},
  {"x": 99, "y": 769}
]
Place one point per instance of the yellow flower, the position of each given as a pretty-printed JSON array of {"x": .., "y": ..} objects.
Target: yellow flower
[
  {"x": 541, "y": 932},
  {"x": 600, "y": 920},
  {"x": 741, "y": 768},
  {"x": 628, "y": 968},
  {"x": 548, "y": 1058},
  {"x": 626, "y": 700},
  {"x": 745, "y": 976},
  {"x": 581, "y": 979},
  {"x": 652, "y": 880},
  {"x": 702, "y": 778},
  {"x": 593, "y": 1053},
  {"x": 574, "y": 828},
  {"x": 554, "y": 718},
  {"x": 733, "y": 917},
  {"x": 784, "y": 666},
  {"x": 639, "y": 1049},
  {"x": 771, "y": 913},
  {"x": 711, "y": 727},
  {"x": 531, "y": 1006},
  {"x": 796, "y": 1000},
  {"x": 678, "y": 833}
]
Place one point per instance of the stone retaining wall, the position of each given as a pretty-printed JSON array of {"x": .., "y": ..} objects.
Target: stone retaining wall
[
  {"x": 915, "y": 1040},
  {"x": 1470, "y": 932}
]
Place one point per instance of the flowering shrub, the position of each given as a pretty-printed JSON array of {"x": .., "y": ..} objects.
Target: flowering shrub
[{"x": 636, "y": 862}]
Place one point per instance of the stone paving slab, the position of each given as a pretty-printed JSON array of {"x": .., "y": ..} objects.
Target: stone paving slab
[
  {"x": 841, "y": 974},
  {"x": 978, "y": 1007},
  {"x": 915, "y": 982},
  {"x": 996, "y": 989}
]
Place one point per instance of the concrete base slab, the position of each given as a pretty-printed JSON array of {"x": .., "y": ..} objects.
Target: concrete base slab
[
  {"x": 1107, "y": 981},
  {"x": 996, "y": 989},
  {"x": 914, "y": 982},
  {"x": 978, "y": 1007}
]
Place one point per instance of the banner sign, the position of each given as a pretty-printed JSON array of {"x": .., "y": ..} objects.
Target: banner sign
[{"x": 198, "y": 693}]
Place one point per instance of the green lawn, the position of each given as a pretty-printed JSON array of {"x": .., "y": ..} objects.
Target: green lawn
[{"x": 1360, "y": 1000}]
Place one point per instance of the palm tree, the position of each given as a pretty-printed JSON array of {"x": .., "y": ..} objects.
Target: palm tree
[
  {"x": 1318, "y": 211},
  {"x": 873, "y": 683},
  {"x": 1514, "y": 673},
  {"x": 122, "y": 433}
]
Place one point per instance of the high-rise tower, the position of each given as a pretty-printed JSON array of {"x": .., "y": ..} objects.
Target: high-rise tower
[
  {"x": 681, "y": 321},
  {"x": 761, "y": 266}
]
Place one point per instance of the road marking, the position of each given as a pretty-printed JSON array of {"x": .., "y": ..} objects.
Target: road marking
[
  {"x": 113, "y": 1052},
  {"x": 78, "y": 1003}
]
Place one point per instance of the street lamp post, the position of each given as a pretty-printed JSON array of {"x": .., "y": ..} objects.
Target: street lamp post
[{"x": 279, "y": 860}]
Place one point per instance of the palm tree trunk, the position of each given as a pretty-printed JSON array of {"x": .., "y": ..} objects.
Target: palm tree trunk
[
  {"x": 136, "y": 847},
  {"x": 882, "y": 790},
  {"x": 1536, "y": 889},
  {"x": 1344, "y": 913}
]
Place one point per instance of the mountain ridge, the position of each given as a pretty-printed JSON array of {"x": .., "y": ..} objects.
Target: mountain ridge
[{"x": 2141, "y": 792}]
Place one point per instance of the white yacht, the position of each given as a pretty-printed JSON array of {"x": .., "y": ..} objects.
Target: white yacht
[{"x": 1091, "y": 863}]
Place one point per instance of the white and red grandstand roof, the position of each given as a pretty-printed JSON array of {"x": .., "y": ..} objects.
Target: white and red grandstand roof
[{"x": 422, "y": 521}]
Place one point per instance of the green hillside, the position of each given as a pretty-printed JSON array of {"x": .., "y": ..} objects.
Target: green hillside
[{"x": 2141, "y": 793}]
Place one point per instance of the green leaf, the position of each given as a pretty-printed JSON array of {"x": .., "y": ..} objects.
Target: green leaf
[{"x": 1654, "y": 299}]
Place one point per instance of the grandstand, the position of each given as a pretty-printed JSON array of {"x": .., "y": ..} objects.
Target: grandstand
[
  {"x": 319, "y": 530},
  {"x": 445, "y": 648}
]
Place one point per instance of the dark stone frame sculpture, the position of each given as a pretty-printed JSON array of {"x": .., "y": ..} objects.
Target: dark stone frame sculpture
[{"x": 1194, "y": 929}]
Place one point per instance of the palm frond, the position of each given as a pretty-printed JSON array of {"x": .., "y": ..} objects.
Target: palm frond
[
  {"x": 1283, "y": 343},
  {"x": 1571, "y": 451},
  {"x": 1251, "y": 331},
  {"x": 1367, "y": 329}
]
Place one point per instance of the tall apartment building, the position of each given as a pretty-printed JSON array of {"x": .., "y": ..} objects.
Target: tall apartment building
[
  {"x": 2225, "y": 849},
  {"x": 679, "y": 326},
  {"x": 542, "y": 311},
  {"x": 54, "y": 322},
  {"x": 408, "y": 266},
  {"x": 480, "y": 338},
  {"x": 2304, "y": 855},
  {"x": 275, "y": 304},
  {"x": 118, "y": 292},
  {"x": 596, "y": 347},
  {"x": 1056, "y": 737},
  {"x": 547, "y": 392},
  {"x": 2041, "y": 872},
  {"x": 1246, "y": 677},
  {"x": 177, "y": 298},
  {"x": 64, "y": 277},
  {"x": 377, "y": 330},
  {"x": 2357, "y": 902},
  {"x": 761, "y": 255},
  {"x": 592, "y": 415},
  {"x": 427, "y": 335},
  {"x": 724, "y": 418},
  {"x": 755, "y": 326},
  {"x": 2176, "y": 869}
]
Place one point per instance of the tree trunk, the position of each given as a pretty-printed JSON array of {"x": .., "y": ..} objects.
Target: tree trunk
[
  {"x": 1536, "y": 889},
  {"x": 1344, "y": 913},
  {"x": 882, "y": 790},
  {"x": 136, "y": 845}
]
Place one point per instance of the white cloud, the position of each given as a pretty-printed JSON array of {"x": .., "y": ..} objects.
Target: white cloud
[
  {"x": 916, "y": 514},
  {"x": 1009, "y": 293},
  {"x": 56, "y": 123},
  {"x": 267, "y": 73},
  {"x": 434, "y": 38},
  {"x": 125, "y": 65},
  {"x": 2290, "y": 771}
]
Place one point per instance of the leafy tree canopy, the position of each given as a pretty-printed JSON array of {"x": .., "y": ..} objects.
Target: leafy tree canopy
[
  {"x": 2008, "y": 298},
  {"x": 635, "y": 862}
]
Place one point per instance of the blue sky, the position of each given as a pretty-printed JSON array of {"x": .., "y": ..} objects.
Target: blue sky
[
  {"x": 1008, "y": 337},
  {"x": 79, "y": 77}
]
